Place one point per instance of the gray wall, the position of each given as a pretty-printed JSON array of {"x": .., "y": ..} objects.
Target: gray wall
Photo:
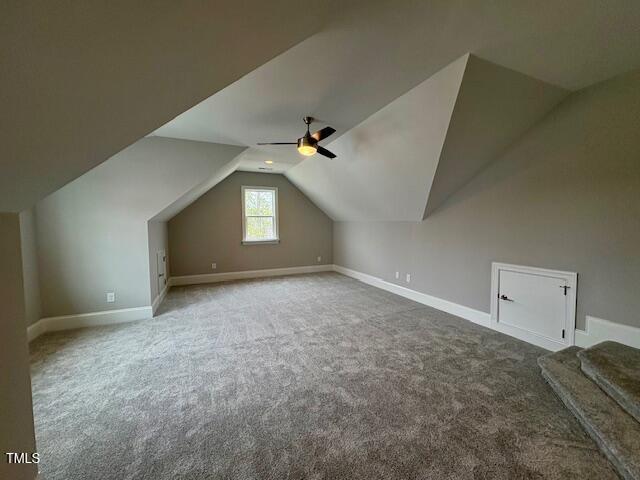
[
  {"x": 158, "y": 240},
  {"x": 210, "y": 230},
  {"x": 566, "y": 196},
  {"x": 93, "y": 233},
  {"x": 31, "y": 277},
  {"x": 16, "y": 415},
  {"x": 494, "y": 108}
]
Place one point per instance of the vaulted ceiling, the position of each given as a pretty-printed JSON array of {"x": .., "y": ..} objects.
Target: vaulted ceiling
[
  {"x": 406, "y": 159},
  {"x": 363, "y": 60},
  {"x": 81, "y": 81},
  {"x": 386, "y": 165}
]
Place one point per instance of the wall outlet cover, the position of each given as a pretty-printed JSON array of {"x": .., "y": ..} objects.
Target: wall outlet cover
[
  {"x": 214, "y": 266},
  {"x": 408, "y": 278},
  {"x": 397, "y": 275},
  {"x": 319, "y": 259},
  {"x": 111, "y": 297}
]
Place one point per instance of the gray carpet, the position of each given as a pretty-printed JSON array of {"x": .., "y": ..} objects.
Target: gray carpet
[
  {"x": 616, "y": 432},
  {"x": 312, "y": 376},
  {"x": 615, "y": 368}
]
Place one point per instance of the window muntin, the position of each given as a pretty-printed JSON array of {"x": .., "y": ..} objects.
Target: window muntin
[{"x": 259, "y": 214}]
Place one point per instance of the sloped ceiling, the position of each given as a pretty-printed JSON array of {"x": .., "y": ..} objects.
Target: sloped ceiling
[
  {"x": 222, "y": 171},
  {"x": 82, "y": 80},
  {"x": 425, "y": 144},
  {"x": 386, "y": 164},
  {"x": 495, "y": 106},
  {"x": 143, "y": 180},
  {"x": 364, "y": 59}
]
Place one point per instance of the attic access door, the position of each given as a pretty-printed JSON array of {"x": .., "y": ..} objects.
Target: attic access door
[
  {"x": 161, "y": 263},
  {"x": 534, "y": 304}
]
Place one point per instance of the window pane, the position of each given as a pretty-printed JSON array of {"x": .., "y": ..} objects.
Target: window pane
[
  {"x": 265, "y": 203},
  {"x": 250, "y": 202},
  {"x": 260, "y": 214},
  {"x": 260, "y": 228}
]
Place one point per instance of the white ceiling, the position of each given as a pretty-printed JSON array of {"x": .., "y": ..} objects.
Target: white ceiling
[
  {"x": 386, "y": 164},
  {"x": 405, "y": 160},
  {"x": 360, "y": 61}
]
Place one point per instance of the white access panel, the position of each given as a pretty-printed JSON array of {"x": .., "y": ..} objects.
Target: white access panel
[
  {"x": 161, "y": 264},
  {"x": 534, "y": 304}
]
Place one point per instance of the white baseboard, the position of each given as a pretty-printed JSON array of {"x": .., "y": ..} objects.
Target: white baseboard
[
  {"x": 93, "y": 319},
  {"x": 158, "y": 300},
  {"x": 35, "y": 330},
  {"x": 475, "y": 316},
  {"x": 225, "y": 277},
  {"x": 599, "y": 330},
  {"x": 67, "y": 322}
]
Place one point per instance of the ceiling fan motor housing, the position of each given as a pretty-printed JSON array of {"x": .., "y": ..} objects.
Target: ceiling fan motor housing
[{"x": 307, "y": 141}]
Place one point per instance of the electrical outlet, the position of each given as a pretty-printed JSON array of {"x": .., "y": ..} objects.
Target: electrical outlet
[
  {"x": 397, "y": 275},
  {"x": 214, "y": 266},
  {"x": 111, "y": 297},
  {"x": 319, "y": 259},
  {"x": 408, "y": 278}
]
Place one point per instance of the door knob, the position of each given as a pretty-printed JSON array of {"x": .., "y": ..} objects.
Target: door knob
[{"x": 504, "y": 297}]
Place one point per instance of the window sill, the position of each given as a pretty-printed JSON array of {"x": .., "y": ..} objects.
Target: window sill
[{"x": 261, "y": 242}]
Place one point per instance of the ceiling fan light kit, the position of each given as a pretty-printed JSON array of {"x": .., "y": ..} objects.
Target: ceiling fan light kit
[{"x": 308, "y": 144}]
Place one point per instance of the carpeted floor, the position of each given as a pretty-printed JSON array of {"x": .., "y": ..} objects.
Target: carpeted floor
[{"x": 302, "y": 377}]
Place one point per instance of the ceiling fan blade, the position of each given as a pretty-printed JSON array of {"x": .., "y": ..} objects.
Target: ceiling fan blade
[
  {"x": 325, "y": 152},
  {"x": 324, "y": 133},
  {"x": 277, "y": 143}
]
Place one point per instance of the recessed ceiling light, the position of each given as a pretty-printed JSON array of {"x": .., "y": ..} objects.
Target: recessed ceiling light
[{"x": 268, "y": 162}]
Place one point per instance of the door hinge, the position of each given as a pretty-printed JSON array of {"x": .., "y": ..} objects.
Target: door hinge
[{"x": 563, "y": 333}]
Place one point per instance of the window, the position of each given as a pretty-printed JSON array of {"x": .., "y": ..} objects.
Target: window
[{"x": 259, "y": 215}]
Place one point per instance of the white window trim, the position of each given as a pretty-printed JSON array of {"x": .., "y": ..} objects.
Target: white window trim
[{"x": 276, "y": 217}]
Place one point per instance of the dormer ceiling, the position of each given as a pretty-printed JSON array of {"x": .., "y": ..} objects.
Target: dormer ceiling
[
  {"x": 406, "y": 159},
  {"x": 386, "y": 164}
]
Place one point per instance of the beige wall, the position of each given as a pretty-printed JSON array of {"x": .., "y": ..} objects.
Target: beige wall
[
  {"x": 29, "y": 245},
  {"x": 93, "y": 233},
  {"x": 210, "y": 230},
  {"x": 566, "y": 196},
  {"x": 16, "y": 415}
]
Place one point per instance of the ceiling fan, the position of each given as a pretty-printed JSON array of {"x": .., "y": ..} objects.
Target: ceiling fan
[{"x": 308, "y": 144}]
